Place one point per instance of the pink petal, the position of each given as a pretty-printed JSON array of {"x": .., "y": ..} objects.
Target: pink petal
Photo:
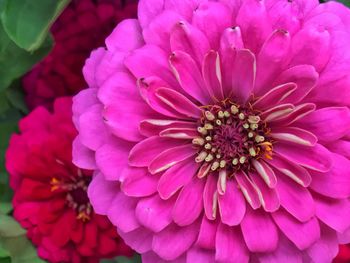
[
  {"x": 294, "y": 135},
  {"x": 232, "y": 205},
  {"x": 296, "y": 199},
  {"x": 127, "y": 36},
  {"x": 316, "y": 158},
  {"x": 303, "y": 235},
  {"x": 341, "y": 147},
  {"x": 211, "y": 72},
  {"x": 277, "y": 113},
  {"x": 269, "y": 198},
  {"x": 329, "y": 124},
  {"x": 171, "y": 157},
  {"x": 336, "y": 182},
  {"x": 212, "y": 18},
  {"x": 286, "y": 252},
  {"x": 101, "y": 193},
  {"x": 305, "y": 76},
  {"x": 298, "y": 112},
  {"x": 230, "y": 39},
  {"x": 178, "y": 102},
  {"x": 93, "y": 131},
  {"x": 122, "y": 212},
  {"x": 82, "y": 102},
  {"x": 230, "y": 246},
  {"x": 248, "y": 189},
  {"x": 209, "y": 200},
  {"x": 307, "y": 46},
  {"x": 293, "y": 171},
  {"x": 148, "y": 10},
  {"x": 188, "y": 75},
  {"x": 138, "y": 182},
  {"x": 176, "y": 177},
  {"x": 243, "y": 75},
  {"x": 90, "y": 67},
  {"x": 148, "y": 88},
  {"x": 112, "y": 158},
  {"x": 140, "y": 239},
  {"x": 151, "y": 257},
  {"x": 154, "y": 63},
  {"x": 154, "y": 213},
  {"x": 189, "y": 204},
  {"x": 119, "y": 87},
  {"x": 274, "y": 96},
  {"x": 325, "y": 249},
  {"x": 158, "y": 31},
  {"x": 333, "y": 212},
  {"x": 153, "y": 127},
  {"x": 200, "y": 255},
  {"x": 82, "y": 156},
  {"x": 110, "y": 63},
  {"x": 266, "y": 173},
  {"x": 259, "y": 231},
  {"x": 173, "y": 241},
  {"x": 328, "y": 90},
  {"x": 207, "y": 234},
  {"x": 272, "y": 58},
  {"x": 255, "y": 24},
  {"x": 143, "y": 153},
  {"x": 190, "y": 40},
  {"x": 124, "y": 123},
  {"x": 284, "y": 15},
  {"x": 179, "y": 133}
]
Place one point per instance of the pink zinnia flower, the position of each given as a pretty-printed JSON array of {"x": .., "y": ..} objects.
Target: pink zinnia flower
[
  {"x": 225, "y": 124},
  {"x": 81, "y": 28},
  {"x": 50, "y": 193}
]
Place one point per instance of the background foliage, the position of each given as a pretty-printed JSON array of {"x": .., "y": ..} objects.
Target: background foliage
[{"x": 24, "y": 41}]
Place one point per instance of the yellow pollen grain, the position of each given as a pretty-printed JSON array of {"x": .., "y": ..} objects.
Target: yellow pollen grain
[
  {"x": 207, "y": 146},
  {"x": 235, "y": 161},
  {"x": 234, "y": 109},
  {"x": 221, "y": 114},
  {"x": 242, "y": 159},
  {"x": 210, "y": 116},
  {"x": 215, "y": 166}
]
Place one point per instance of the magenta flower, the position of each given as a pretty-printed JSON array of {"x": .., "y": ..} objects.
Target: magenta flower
[{"x": 218, "y": 130}]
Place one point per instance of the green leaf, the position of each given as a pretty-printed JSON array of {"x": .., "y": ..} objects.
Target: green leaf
[
  {"x": 345, "y": 2},
  {"x": 20, "y": 249},
  {"x": 5, "y": 260},
  {"x": 135, "y": 259},
  {"x": 14, "y": 61},
  {"x": 14, "y": 243},
  {"x": 9, "y": 227},
  {"x": 27, "y": 22},
  {"x": 15, "y": 96},
  {"x": 4, "y": 105},
  {"x": 3, "y": 253},
  {"x": 5, "y": 208},
  {"x": 8, "y": 125}
]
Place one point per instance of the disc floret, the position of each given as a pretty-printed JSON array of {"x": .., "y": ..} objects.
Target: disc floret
[{"x": 230, "y": 136}]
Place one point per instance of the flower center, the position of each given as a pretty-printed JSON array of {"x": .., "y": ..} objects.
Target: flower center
[
  {"x": 230, "y": 136},
  {"x": 76, "y": 194}
]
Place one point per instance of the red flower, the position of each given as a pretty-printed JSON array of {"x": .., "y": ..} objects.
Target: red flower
[
  {"x": 82, "y": 27},
  {"x": 343, "y": 255},
  {"x": 50, "y": 198}
]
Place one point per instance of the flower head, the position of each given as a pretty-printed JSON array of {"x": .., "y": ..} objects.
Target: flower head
[
  {"x": 50, "y": 193},
  {"x": 226, "y": 125},
  {"x": 82, "y": 27}
]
